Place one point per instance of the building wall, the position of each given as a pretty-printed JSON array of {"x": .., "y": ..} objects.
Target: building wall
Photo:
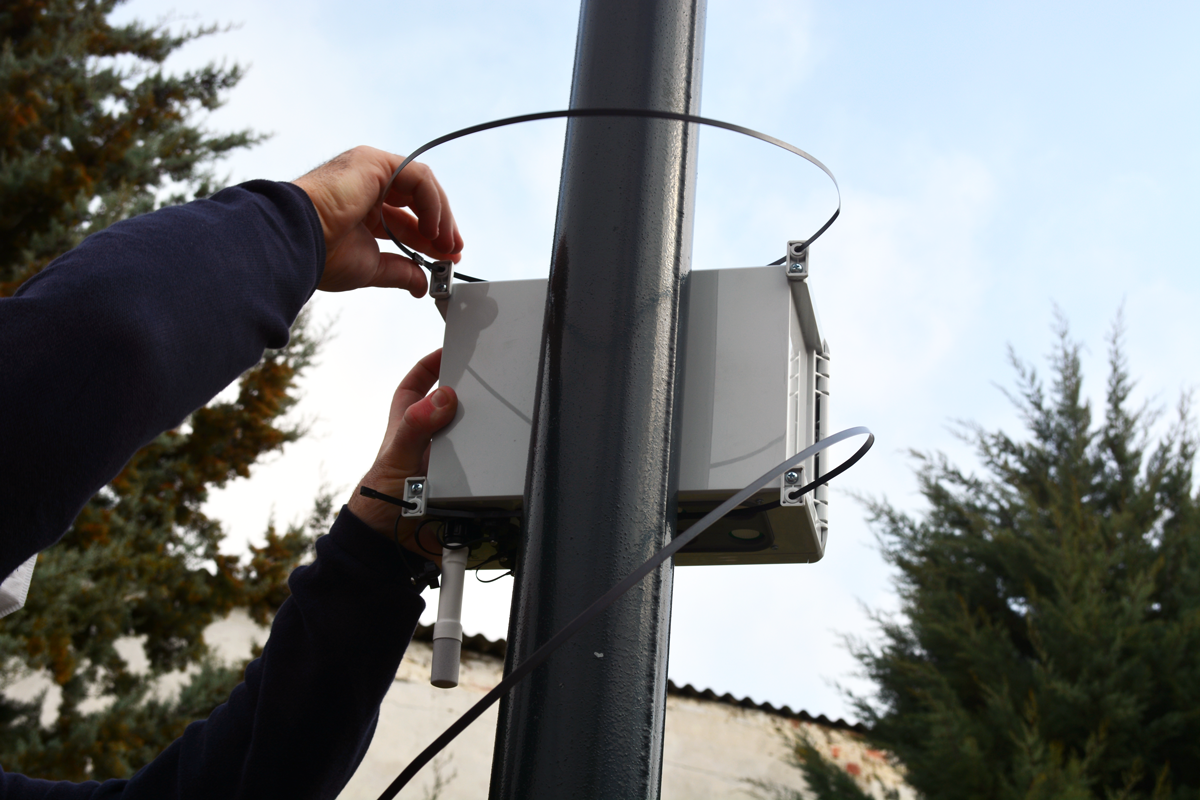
[{"x": 712, "y": 748}]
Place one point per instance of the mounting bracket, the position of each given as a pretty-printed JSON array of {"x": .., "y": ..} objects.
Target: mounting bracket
[
  {"x": 416, "y": 489},
  {"x": 796, "y": 263},
  {"x": 441, "y": 281}
]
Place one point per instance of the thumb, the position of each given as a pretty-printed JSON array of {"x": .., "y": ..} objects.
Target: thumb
[{"x": 421, "y": 421}]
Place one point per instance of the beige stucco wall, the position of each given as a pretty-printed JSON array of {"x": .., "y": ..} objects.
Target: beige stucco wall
[{"x": 711, "y": 748}]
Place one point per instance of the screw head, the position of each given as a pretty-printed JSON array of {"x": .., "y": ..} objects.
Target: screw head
[
  {"x": 791, "y": 476},
  {"x": 439, "y": 288},
  {"x": 795, "y": 267},
  {"x": 416, "y": 488}
]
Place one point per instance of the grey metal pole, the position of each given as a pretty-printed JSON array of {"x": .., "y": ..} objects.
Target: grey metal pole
[{"x": 600, "y": 494}]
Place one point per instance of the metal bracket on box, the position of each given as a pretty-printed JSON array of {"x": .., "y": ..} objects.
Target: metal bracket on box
[
  {"x": 416, "y": 489},
  {"x": 441, "y": 280},
  {"x": 796, "y": 264},
  {"x": 792, "y": 480}
]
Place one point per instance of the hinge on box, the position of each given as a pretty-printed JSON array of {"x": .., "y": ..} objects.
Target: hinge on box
[{"x": 796, "y": 264}]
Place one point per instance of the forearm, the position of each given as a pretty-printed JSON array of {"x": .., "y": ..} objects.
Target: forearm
[
  {"x": 128, "y": 333},
  {"x": 300, "y": 723}
]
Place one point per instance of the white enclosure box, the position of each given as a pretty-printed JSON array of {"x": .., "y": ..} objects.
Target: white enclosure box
[{"x": 755, "y": 391}]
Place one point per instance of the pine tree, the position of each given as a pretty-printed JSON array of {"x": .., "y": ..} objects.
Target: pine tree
[
  {"x": 92, "y": 131},
  {"x": 143, "y": 560},
  {"x": 1050, "y": 606}
]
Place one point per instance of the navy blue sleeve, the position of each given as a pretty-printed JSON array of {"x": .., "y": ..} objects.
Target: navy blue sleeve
[
  {"x": 127, "y": 334},
  {"x": 301, "y": 722}
]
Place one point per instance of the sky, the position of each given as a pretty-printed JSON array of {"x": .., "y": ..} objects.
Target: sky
[{"x": 1001, "y": 166}]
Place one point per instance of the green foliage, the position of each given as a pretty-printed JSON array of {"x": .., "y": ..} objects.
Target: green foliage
[
  {"x": 92, "y": 131},
  {"x": 118, "y": 740},
  {"x": 143, "y": 560},
  {"x": 1050, "y": 607},
  {"x": 825, "y": 779}
]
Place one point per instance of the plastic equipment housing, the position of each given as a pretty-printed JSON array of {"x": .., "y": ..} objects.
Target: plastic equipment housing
[{"x": 755, "y": 391}]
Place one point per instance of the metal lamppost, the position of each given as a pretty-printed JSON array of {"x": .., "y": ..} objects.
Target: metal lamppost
[{"x": 600, "y": 494}]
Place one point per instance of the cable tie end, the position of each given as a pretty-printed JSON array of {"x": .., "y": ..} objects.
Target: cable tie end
[{"x": 367, "y": 491}]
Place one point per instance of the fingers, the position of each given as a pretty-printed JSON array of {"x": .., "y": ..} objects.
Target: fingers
[
  {"x": 346, "y": 195},
  {"x": 416, "y": 384},
  {"x": 420, "y": 422},
  {"x": 417, "y": 188},
  {"x": 428, "y": 200},
  {"x": 357, "y": 262},
  {"x": 412, "y": 421},
  {"x": 397, "y": 272},
  {"x": 345, "y": 192},
  {"x": 415, "y": 417},
  {"x": 405, "y": 227}
]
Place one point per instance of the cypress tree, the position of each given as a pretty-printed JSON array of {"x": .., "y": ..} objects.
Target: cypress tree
[
  {"x": 1050, "y": 605},
  {"x": 824, "y": 779},
  {"x": 93, "y": 131}
]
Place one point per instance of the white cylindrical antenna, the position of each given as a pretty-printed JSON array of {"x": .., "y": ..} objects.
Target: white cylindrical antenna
[{"x": 447, "y": 631}]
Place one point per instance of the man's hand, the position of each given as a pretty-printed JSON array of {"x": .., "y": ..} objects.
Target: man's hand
[
  {"x": 346, "y": 192},
  {"x": 413, "y": 420}
]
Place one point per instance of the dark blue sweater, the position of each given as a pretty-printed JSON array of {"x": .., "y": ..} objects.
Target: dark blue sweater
[{"x": 119, "y": 340}]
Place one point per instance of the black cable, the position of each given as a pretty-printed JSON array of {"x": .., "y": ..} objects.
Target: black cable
[
  {"x": 608, "y": 598},
  {"x": 417, "y": 535},
  {"x": 367, "y": 491},
  {"x": 434, "y": 515},
  {"x": 493, "y": 580},
  {"x": 602, "y": 112},
  {"x": 796, "y": 494},
  {"x": 493, "y": 557}
]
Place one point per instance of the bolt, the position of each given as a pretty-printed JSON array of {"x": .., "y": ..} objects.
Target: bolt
[
  {"x": 416, "y": 488},
  {"x": 791, "y": 476},
  {"x": 441, "y": 287},
  {"x": 795, "y": 267}
]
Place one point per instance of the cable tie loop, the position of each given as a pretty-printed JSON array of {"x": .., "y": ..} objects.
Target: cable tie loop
[{"x": 578, "y": 113}]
